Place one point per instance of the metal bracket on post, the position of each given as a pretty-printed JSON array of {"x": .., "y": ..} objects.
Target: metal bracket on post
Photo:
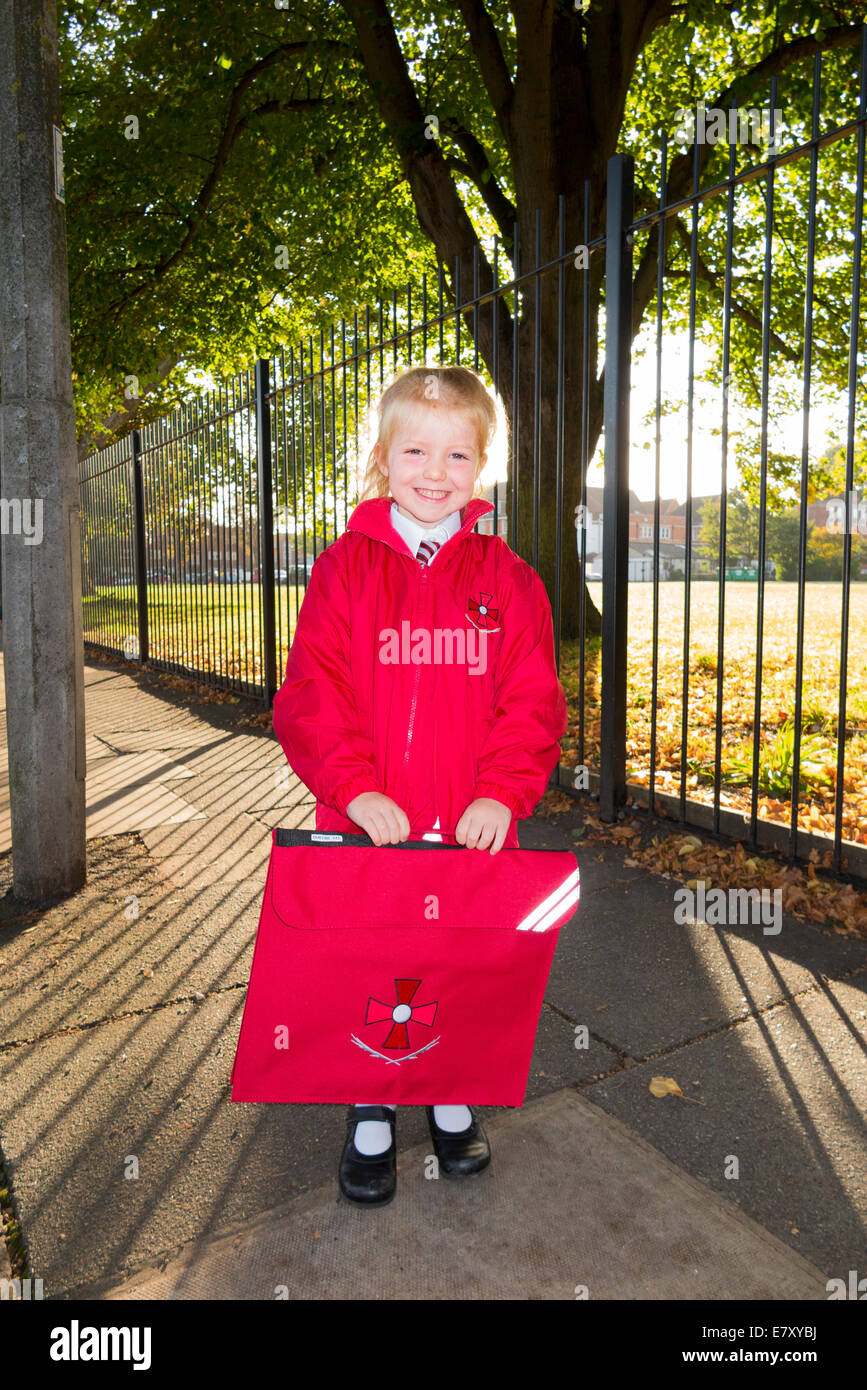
[
  {"x": 615, "y": 503},
  {"x": 140, "y": 550},
  {"x": 266, "y": 533}
]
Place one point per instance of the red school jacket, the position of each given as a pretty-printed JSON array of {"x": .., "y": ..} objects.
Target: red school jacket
[{"x": 433, "y": 684}]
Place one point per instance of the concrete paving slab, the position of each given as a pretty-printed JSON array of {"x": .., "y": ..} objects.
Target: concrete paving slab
[
  {"x": 625, "y": 1224},
  {"x": 185, "y": 735},
  {"x": 665, "y": 983},
  {"x": 83, "y": 1112},
  {"x": 239, "y": 773},
  {"x": 124, "y": 792},
  {"x": 786, "y": 1096},
  {"x": 226, "y": 848},
  {"x": 114, "y": 701},
  {"x": 154, "y": 1083},
  {"x": 125, "y": 943},
  {"x": 299, "y": 816}
]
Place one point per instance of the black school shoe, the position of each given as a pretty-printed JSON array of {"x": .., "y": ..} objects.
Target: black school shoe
[
  {"x": 368, "y": 1180},
  {"x": 461, "y": 1154}
]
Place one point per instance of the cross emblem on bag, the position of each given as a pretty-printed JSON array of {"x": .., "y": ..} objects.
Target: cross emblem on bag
[{"x": 401, "y": 1013}]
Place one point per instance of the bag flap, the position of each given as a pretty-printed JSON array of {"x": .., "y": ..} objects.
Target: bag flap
[{"x": 327, "y": 881}]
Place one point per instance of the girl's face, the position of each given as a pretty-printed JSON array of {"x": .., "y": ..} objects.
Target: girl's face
[{"x": 431, "y": 465}]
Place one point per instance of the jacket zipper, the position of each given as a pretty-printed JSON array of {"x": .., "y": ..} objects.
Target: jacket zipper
[{"x": 412, "y": 708}]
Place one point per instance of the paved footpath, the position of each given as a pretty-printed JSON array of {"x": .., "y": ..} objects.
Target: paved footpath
[{"x": 119, "y": 1014}]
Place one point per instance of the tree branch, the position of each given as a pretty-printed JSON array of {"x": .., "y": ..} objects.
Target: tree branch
[
  {"x": 501, "y": 208},
  {"x": 485, "y": 43},
  {"x": 233, "y": 126},
  {"x": 439, "y": 208}
]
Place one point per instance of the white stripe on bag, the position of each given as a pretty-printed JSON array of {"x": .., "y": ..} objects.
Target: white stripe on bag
[{"x": 554, "y": 906}]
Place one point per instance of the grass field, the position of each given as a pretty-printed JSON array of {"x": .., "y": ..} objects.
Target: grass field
[
  {"x": 214, "y": 628},
  {"x": 819, "y": 713}
]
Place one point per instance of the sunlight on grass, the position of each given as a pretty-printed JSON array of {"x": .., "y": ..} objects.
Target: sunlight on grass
[
  {"x": 213, "y": 628},
  {"x": 819, "y": 713}
]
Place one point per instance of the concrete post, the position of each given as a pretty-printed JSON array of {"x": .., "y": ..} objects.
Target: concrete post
[{"x": 39, "y": 510}]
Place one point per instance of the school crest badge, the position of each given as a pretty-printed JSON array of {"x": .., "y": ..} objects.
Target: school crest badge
[
  {"x": 399, "y": 1015},
  {"x": 483, "y": 612}
]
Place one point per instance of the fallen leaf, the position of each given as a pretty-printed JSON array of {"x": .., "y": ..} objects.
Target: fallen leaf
[{"x": 667, "y": 1086}]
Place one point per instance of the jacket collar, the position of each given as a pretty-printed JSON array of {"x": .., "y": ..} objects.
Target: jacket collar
[{"x": 372, "y": 519}]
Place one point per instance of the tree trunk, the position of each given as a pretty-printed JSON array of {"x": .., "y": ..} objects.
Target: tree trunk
[{"x": 537, "y": 542}]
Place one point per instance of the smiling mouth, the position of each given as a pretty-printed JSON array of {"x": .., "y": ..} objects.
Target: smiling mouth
[{"x": 430, "y": 494}]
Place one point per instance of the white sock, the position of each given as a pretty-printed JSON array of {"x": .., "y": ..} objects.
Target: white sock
[
  {"x": 373, "y": 1136},
  {"x": 454, "y": 1118}
]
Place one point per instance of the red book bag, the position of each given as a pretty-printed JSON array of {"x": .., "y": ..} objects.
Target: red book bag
[{"x": 407, "y": 974}]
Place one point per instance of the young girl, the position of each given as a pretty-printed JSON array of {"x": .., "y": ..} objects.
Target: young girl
[{"x": 394, "y": 741}]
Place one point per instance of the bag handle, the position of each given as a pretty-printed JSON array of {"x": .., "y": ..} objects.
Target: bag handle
[{"x": 285, "y": 838}]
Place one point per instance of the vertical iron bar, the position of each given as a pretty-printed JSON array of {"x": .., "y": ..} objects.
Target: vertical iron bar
[
  {"x": 615, "y": 525},
  {"x": 723, "y": 502},
  {"x": 323, "y": 440},
  {"x": 475, "y": 308},
  {"x": 805, "y": 456},
  {"x": 442, "y": 325},
  {"x": 854, "y": 326},
  {"x": 457, "y": 310},
  {"x": 654, "y": 679},
  {"x": 334, "y": 440},
  {"x": 140, "y": 549},
  {"x": 266, "y": 532},
  {"x": 537, "y": 390},
  {"x": 303, "y": 433},
  {"x": 687, "y": 535},
  {"x": 513, "y": 519},
  {"x": 561, "y": 367},
  {"x": 585, "y": 445},
  {"x": 763, "y": 486},
  {"x": 295, "y": 487},
  {"x": 495, "y": 359}
]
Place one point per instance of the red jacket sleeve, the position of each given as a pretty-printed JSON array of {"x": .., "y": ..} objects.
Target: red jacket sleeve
[
  {"x": 521, "y": 749},
  {"x": 315, "y": 714}
]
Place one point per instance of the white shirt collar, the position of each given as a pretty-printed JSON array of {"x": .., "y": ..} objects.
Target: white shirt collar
[{"x": 414, "y": 534}]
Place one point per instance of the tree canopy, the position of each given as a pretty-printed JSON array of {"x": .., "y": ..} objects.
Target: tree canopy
[
  {"x": 239, "y": 176},
  {"x": 201, "y": 139}
]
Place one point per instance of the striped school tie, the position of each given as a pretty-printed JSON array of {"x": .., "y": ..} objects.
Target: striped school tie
[{"x": 426, "y": 551}]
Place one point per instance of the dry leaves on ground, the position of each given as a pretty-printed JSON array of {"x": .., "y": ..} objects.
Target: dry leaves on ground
[{"x": 807, "y": 894}]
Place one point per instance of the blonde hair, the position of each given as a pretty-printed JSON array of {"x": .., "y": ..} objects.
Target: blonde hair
[{"x": 446, "y": 388}]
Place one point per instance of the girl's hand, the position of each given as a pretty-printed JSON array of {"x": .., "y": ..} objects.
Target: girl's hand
[
  {"x": 485, "y": 822},
  {"x": 379, "y": 817}
]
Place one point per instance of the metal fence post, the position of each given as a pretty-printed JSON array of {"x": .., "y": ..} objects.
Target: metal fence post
[
  {"x": 615, "y": 499},
  {"x": 266, "y": 533},
  {"x": 141, "y": 576}
]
